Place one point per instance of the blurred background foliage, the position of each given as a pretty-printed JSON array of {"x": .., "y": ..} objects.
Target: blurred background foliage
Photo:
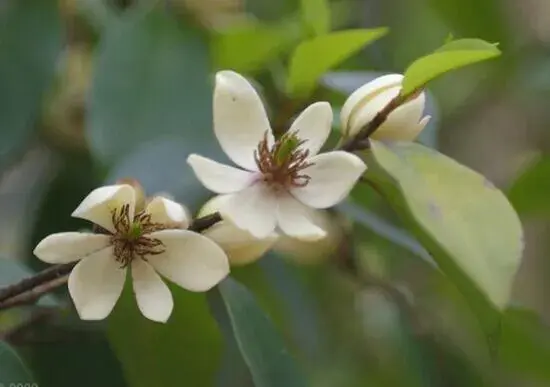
[{"x": 92, "y": 91}]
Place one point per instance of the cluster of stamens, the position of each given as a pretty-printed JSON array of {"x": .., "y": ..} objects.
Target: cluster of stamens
[
  {"x": 283, "y": 163},
  {"x": 130, "y": 239}
]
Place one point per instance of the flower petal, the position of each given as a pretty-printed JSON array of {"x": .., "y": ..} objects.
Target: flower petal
[
  {"x": 153, "y": 296},
  {"x": 295, "y": 220},
  {"x": 313, "y": 125},
  {"x": 240, "y": 120},
  {"x": 218, "y": 177},
  {"x": 168, "y": 212},
  {"x": 333, "y": 175},
  {"x": 402, "y": 123},
  {"x": 99, "y": 205},
  {"x": 190, "y": 260},
  {"x": 365, "y": 93},
  {"x": 365, "y": 113},
  {"x": 253, "y": 209},
  {"x": 419, "y": 128},
  {"x": 65, "y": 247},
  {"x": 95, "y": 284},
  {"x": 241, "y": 246}
]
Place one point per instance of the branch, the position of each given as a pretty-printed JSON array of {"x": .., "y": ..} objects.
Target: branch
[
  {"x": 361, "y": 139},
  {"x": 32, "y": 288},
  {"x": 25, "y": 285},
  {"x": 32, "y": 295}
]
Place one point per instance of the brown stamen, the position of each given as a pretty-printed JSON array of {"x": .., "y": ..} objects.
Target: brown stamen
[
  {"x": 130, "y": 239},
  {"x": 283, "y": 163}
]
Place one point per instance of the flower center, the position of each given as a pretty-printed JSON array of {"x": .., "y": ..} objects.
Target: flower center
[
  {"x": 283, "y": 163},
  {"x": 131, "y": 240}
]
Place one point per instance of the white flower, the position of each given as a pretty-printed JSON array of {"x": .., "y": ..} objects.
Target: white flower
[
  {"x": 150, "y": 241},
  {"x": 404, "y": 124},
  {"x": 241, "y": 247},
  {"x": 281, "y": 180}
]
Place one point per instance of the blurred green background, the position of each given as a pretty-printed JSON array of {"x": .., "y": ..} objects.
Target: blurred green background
[{"x": 92, "y": 91}]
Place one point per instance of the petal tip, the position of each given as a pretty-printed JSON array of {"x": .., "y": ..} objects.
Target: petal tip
[
  {"x": 89, "y": 314},
  {"x": 227, "y": 77},
  {"x": 192, "y": 157},
  {"x": 160, "y": 318}
]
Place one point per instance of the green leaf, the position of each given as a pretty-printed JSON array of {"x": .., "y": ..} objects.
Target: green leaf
[
  {"x": 248, "y": 47},
  {"x": 184, "y": 350},
  {"x": 12, "y": 370},
  {"x": 316, "y": 16},
  {"x": 59, "y": 363},
  {"x": 525, "y": 343},
  {"x": 151, "y": 81},
  {"x": 261, "y": 346},
  {"x": 528, "y": 195},
  {"x": 466, "y": 224},
  {"x": 314, "y": 57},
  {"x": 30, "y": 42},
  {"x": 385, "y": 229},
  {"x": 451, "y": 56}
]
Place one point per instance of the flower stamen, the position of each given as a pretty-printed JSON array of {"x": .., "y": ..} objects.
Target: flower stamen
[
  {"x": 130, "y": 238},
  {"x": 283, "y": 163}
]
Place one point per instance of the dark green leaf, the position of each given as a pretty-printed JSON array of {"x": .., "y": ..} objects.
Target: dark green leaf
[
  {"x": 525, "y": 344},
  {"x": 184, "y": 350},
  {"x": 261, "y": 346},
  {"x": 150, "y": 81},
  {"x": 314, "y": 57},
  {"x": 12, "y": 370},
  {"x": 466, "y": 224},
  {"x": 30, "y": 42},
  {"x": 63, "y": 354},
  {"x": 451, "y": 56},
  {"x": 316, "y": 16},
  {"x": 529, "y": 193}
]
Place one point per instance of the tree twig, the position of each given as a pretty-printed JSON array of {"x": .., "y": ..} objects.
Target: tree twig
[
  {"x": 361, "y": 139},
  {"x": 32, "y": 288},
  {"x": 50, "y": 274},
  {"x": 34, "y": 294}
]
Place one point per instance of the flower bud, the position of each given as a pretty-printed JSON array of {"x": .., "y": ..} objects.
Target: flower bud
[
  {"x": 403, "y": 124},
  {"x": 240, "y": 246},
  {"x": 313, "y": 252}
]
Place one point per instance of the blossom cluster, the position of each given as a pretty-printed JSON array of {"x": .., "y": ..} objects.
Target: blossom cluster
[{"x": 276, "y": 189}]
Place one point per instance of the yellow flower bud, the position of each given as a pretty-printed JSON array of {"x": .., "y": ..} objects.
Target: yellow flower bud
[
  {"x": 240, "y": 246},
  {"x": 404, "y": 124}
]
